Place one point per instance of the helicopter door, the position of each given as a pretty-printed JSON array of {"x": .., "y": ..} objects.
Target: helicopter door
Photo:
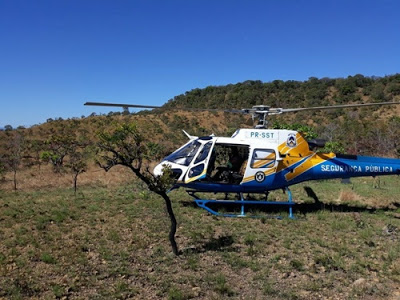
[
  {"x": 263, "y": 162},
  {"x": 198, "y": 167}
]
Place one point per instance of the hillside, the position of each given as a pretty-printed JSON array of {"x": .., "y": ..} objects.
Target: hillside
[
  {"x": 358, "y": 130},
  {"x": 367, "y": 131},
  {"x": 165, "y": 123},
  {"x": 278, "y": 93}
]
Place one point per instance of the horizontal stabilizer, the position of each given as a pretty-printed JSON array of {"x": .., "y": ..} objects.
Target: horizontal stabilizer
[{"x": 317, "y": 143}]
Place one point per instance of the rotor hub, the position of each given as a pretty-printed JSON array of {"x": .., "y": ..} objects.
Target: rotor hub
[{"x": 260, "y": 113}]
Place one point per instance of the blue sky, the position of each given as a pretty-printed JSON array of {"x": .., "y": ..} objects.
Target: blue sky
[{"x": 57, "y": 54}]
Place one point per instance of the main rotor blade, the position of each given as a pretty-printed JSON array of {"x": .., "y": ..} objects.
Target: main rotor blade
[
  {"x": 336, "y": 106},
  {"x": 270, "y": 111},
  {"x": 120, "y": 105},
  {"x": 151, "y": 106}
]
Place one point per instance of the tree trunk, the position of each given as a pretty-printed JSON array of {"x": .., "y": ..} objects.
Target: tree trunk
[
  {"x": 173, "y": 223},
  {"x": 15, "y": 180},
  {"x": 75, "y": 182}
]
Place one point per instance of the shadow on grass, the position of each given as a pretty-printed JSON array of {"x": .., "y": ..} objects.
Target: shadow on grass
[
  {"x": 220, "y": 244},
  {"x": 302, "y": 208},
  {"x": 318, "y": 205}
]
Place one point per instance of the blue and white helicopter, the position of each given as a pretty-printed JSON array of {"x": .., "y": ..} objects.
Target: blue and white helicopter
[{"x": 260, "y": 160}]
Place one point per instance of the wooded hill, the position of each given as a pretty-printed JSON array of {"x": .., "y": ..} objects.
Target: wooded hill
[
  {"x": 358, "y": 131},
  {"x": 366, "y": 131},
  {"x": 278, "y": 93}
]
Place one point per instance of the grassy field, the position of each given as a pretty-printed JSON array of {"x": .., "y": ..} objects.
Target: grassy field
[{"x": 111, "y": 243}]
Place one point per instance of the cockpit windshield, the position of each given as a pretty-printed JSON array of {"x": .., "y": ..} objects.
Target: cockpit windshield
[{"x": 184, "y": 155}]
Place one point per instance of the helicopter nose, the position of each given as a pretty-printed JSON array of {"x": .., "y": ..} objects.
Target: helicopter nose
[{"x": 158, "y": 170}]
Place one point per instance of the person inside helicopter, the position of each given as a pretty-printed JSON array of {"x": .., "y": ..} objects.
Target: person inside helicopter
[
  {"x": 230, "y": 161},
  {"x": 235, "y": 160}
]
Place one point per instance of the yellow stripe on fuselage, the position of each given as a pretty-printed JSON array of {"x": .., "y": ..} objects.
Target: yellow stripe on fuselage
[
  {"x": 314, "y": 160},
  {"x": 293, "y": 155},
  {"x": 197, "y": 177},
  {"x": 300, "y": 148},
  {"x": 267, "y": 173}
]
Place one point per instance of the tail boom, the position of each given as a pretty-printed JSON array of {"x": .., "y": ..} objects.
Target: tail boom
[{"x": 346, "y": 166}]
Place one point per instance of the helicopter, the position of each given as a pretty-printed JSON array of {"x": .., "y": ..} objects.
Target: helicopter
[{"x": 259, "y": 160}]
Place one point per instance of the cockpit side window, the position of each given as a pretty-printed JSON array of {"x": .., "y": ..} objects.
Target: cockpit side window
[
  {"x": 263, "y": 158},
  {"x": 203, "y": 153},
  {"x": 185, "y": 155}
]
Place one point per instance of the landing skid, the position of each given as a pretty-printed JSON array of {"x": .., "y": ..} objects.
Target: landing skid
[{"x": 243, "y": 203}]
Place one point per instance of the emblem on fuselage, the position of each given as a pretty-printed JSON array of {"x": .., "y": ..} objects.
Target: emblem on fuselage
[
  {"x": 260, "y": 176},
  {"x": 291, "y": 140}
]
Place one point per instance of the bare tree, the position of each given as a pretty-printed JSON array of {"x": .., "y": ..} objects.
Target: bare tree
[
  {"x": 2, "y": 169},
  {"x": 77, "y": 162},
  {"x": 33, "y": 151},
  {"x": 12, "y": 158},
  {"x": 331, "y": 131},
  {"x": 57, "y": 147},
  {"x": 125, "y": 146},
  {"x": 65, "y": 151}
]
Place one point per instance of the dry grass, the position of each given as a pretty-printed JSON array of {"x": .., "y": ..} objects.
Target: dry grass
[
  {"x": 112, "y": 243},
  {"x": 44, "y": 178},
  {"x": 349, "y": 197}
]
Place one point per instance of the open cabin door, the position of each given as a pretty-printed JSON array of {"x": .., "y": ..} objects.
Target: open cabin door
[{"x": 198, "y": 167}]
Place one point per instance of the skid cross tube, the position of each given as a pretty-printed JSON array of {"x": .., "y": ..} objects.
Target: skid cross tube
[{"x": 242, "y": 202}]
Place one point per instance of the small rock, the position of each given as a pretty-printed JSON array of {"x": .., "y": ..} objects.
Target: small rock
[
  {"x": 389, "y": 229},
  {"x": 359, "y": 282},
  {"x": 196, "y": 291}
]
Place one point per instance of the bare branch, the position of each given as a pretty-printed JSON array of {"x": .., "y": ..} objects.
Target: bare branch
[{"x": 124, "y": 146}]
